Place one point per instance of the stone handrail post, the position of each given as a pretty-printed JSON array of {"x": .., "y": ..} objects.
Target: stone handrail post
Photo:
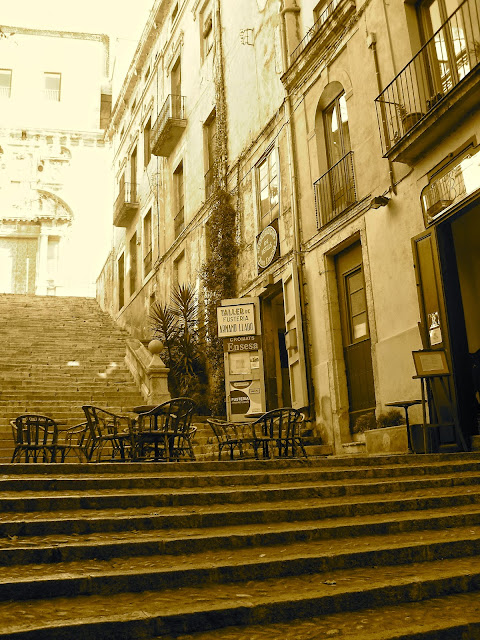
[{"x": 148, "y": 370}]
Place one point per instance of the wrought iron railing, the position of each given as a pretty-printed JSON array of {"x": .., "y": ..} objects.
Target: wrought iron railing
[
  {"x": 318, "y": 26},
  {"x": 444, "y": 61},
  {"x": 127, "y": 195},
  {"x": 209, "y": 183},
  {"x": 179, "y": 222},
  {"x": 335, "y": 190},
  {"x": 5, "y": 92},
  {"x": 147, "y": 262},
  {"x": 173, "y": 109},
  {"x": 52, "y": 94}
]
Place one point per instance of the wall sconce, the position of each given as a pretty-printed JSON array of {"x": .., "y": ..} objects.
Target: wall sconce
[{"x": 379, "y": 201}]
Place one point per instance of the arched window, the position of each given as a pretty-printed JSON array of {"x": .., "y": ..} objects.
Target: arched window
[{"x": 335, "y": 189}]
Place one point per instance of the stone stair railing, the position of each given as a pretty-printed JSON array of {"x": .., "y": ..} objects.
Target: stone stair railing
[{"x": 148, "y": 370}]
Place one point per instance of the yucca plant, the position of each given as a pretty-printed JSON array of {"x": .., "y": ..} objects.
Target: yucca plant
[{"x": 176, "y": 325}]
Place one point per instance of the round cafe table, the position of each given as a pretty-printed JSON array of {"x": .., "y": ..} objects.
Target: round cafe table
[{"x": 406, "y": 404}]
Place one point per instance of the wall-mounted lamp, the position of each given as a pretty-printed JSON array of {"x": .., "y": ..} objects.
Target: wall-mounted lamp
[{"x": 379, "y": 201}]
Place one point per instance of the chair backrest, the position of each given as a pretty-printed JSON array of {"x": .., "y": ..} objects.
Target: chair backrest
[
  {"x": 100, "y": 421},
  {"x": 280, "y": 423},
  {"x": 34, "y": 429},
  {"x": 174, "y": 416}
]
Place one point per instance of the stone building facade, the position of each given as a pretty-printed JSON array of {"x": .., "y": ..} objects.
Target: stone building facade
[
  {"x": 353, "y": 167},
  {"x": 54, "y": 185}
]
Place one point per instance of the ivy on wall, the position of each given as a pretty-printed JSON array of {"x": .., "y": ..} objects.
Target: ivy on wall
[{"x": 219, "y": 269}]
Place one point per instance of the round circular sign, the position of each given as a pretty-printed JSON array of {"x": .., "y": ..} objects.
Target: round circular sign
[{"x": 267, "y": 244}]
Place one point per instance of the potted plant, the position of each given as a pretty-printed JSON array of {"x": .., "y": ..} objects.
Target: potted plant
[
  {"x": 408, "y": 118},
  {"x": 387, "y": 433}
]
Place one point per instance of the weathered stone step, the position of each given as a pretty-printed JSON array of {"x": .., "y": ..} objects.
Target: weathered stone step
[
  {"x": 452, "y": 617},
  {"x": 144, "y": 497},
  {"x": 85, "y": 520},
  {"x": 16, "y": 550},
  {"x": 186, "y": 609},
  {"x": 160, "y": 476},
  {"x": 160, "y": 571}
]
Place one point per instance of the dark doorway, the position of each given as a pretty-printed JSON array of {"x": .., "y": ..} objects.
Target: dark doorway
[
  {"x": 277, "y": 379},
  {"x": 355, "y": 332}
]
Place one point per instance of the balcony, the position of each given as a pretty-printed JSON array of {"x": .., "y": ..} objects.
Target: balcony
[
  {"x": 328, "y": 29},
  {"x": 5, "y": 92},
  {"x": 435, "y": 90},
  {"x": 126, "y": 205},
  {"x": 169, "y": 126},
  {"x": 179, "y": 222},
  {"x": 335, "y": 191},
  {"x": 209, "y": 184}
]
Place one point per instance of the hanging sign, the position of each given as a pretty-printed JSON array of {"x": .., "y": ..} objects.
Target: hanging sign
[
  {"x": 268, "y": 246},
  {"x": 236, "y": 320}
]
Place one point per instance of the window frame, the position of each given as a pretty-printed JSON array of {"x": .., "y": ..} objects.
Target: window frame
[
  {"x": 6, "y": 90},
  {"x": 58, "y": 92},
  {"x": 147, "y": 240},
  {"x": 270, "y": 156}
]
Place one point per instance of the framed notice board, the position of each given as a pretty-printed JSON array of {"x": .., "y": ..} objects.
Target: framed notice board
[{"x": 429, "y": 363}]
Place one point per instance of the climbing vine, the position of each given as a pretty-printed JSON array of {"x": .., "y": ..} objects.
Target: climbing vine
[{"x": 219, "y": 269}]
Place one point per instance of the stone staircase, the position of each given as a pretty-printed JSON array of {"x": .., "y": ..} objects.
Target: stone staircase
[
  {"x": 57, "y": 354},
  {"x": 370, "y": 548}
]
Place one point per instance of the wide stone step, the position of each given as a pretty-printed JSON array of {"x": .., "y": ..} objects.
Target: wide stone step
[
  {"x": 160, "y": 571},
  {"x": 190, "y": 608},
  {"x": 86, "y": 520},
  {"x": 145, "y": 497},
  {"x": 454, "y": 617},
  {"x": 15, "y": 550}
]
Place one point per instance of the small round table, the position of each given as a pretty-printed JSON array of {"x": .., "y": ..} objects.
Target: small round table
[{"x": 406, "y": 404}]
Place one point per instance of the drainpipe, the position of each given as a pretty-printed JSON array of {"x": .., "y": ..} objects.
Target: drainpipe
[
  {"x": 286, "y": 13},
  {"x": 372, "y": 44}
]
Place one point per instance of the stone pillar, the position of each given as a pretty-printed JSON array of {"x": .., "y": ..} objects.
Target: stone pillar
[
  {"x": 42, "y": 262},
  {"x": 291, "y": 15}
]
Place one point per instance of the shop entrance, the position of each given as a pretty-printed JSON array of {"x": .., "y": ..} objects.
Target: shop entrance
[
  {"x": 277, "y": 379},
  {"x": 355, "y": 332},
  {"x": 447, "y": 261}
]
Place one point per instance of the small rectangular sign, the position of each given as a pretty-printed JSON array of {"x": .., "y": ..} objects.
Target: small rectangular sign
[
  {"x": 236, "y": 320},
  {"x": 239, "y": 344}
]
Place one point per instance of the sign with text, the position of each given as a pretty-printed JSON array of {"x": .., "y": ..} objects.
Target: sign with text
[
  {"x": 241, "y": 343},
  {"x": 268, "y": 246},
  {"x": 236, "y": 320}
]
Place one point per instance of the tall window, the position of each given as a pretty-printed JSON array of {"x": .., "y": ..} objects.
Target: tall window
[
  {"x": 337, "y": 188},
  {"x": 267, "y": 177},
  {"x": 448, "y": 57},
  {"x": 336, "y": 130},
  {"x": 121, "y": 281},
  {"x": 178, "y": 194},
  {"x": 5, "y": 83},
  {"x": 147, "y": 243},
  {"x": 146, "y": 142},
  {"x": 52, "y": 86},
  {"x": 206, "y": 25},
  {"x": 133, "y": 263},
  {"x": 210, "y": 138}
]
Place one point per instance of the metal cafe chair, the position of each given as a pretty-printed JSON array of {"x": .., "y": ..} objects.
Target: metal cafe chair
[
  {"x": 165, "y": 432},
  {"x": 231, "y": 435},
  {"x": 280, "y": 429},
  {"x": 107, "y": 429},
  {"x": 35, "y": 437}
]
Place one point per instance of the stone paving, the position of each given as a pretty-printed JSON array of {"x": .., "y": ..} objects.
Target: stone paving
[{"x": 306, "y": 552}]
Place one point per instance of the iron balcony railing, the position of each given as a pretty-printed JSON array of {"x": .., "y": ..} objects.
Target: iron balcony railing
[
  {"x": 127, "y": 195},
  {"x": 5, "y": 92},
  {"x": 173, "y": 109},
  {"x": 209, "y": 183},
  {"x": 52, "y": 94},
  {"x": 179, "y": 222},
  {"x": 147, "y": 262},
  {"x": 444, "y": 61},
  {"x": 335, "y": 190},
  {"x": 312, "y": 32}
]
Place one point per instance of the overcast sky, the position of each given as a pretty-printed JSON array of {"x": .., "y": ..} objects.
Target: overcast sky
[{"x": 114, "y": 17}]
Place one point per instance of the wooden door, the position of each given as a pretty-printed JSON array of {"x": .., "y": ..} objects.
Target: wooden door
[
  {"x": 440, "y": 304},
  {"x": 355, "y": 332}
]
